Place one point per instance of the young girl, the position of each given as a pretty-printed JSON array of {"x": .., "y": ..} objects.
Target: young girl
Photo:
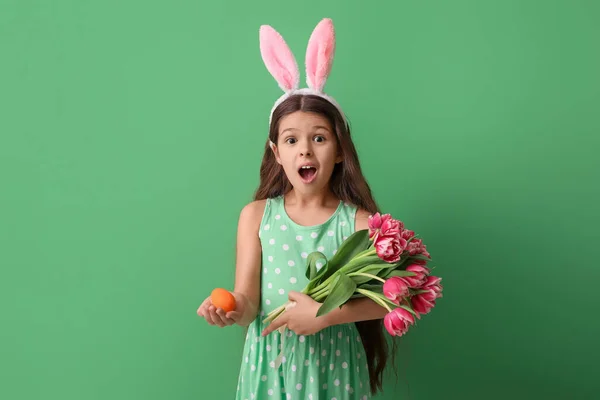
[{"x": 312, "y": 196}]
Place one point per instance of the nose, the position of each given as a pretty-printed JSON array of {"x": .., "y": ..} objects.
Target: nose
[{"x": 306, "y": 149}]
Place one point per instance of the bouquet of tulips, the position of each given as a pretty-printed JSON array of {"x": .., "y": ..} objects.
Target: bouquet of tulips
[{"x": 385, "y": 263}]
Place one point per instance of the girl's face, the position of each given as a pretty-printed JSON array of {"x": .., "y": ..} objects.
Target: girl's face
[{"x": 307, "y": 150}]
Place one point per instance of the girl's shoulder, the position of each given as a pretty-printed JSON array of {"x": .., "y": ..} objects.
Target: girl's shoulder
[
  {"x": 361, "y": 219},
  {"x": 254, "y": 207},
  {"x": 251, "y": 215}
]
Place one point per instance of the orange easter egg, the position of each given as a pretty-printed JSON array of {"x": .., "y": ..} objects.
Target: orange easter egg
[{"x": 222, "y": 298}]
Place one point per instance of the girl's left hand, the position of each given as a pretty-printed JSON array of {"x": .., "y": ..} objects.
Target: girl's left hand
[{"x": 301, "y": 319}]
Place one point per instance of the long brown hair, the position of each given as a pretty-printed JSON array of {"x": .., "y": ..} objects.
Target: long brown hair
[{"x": 348, "y": 184}]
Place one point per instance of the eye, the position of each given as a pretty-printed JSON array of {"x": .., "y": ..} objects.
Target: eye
[
  {"x": 319, "y": 138},
  {"x": 290, "y": 140}
]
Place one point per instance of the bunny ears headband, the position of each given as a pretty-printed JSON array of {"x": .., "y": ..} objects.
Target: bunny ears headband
[{"x": 281, "y": 63}]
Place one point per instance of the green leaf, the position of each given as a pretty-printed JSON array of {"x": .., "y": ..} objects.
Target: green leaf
[
  {"x": 376, "y": 297},
  {"x": 419, "y": 292},
  {"x": 397, "y": 272},
  {"x": 372, "y": 287},
  {"x": 363, "y": 264},
  {"x": 372, "y": 269},
  {"x": 341, "y": 290},
  {"x": 357, "y": 264},
  {"x": 372, "y": 262},
  {"x": 356, "y": 243},
  {"x": 311, "y": 264},
  {"x": 380, "y": 297},
  {"x": 352, "y": 247}
]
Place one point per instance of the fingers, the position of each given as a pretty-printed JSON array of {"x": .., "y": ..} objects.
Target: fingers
[
  {"x": 204, "y": 307},
  {"x": 279, "y": 322},
  {"x": 200, "y": 311},
  {"x": 208, "y": 315},
  {"x": 224, "y": 319},
  {"x": 216, "y": 316},
  {"x": 203, "y": 311},
  {"x": 294, "y": 296},
  {"x": 235, "y": 316},
  {"x": 298, "y": 297}
]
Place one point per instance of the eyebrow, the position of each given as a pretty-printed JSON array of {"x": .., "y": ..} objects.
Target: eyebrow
[{"x": 314, "y": 128}]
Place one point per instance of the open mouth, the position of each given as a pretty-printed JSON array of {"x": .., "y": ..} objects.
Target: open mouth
[{"x": 307, "y": 173}]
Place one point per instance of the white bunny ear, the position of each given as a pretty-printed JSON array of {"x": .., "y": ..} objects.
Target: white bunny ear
[
  {"x": 279, "y": 59},
  {"x": 319, "y": 54}
]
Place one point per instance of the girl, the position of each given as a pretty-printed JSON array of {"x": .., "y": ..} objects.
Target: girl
[{"x": 312, "y": 196}]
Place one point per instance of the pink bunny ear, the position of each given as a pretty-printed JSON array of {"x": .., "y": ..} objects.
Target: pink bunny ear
[
  {"x": 279, "y": 59},
  {"x": 319, "y": 54}
]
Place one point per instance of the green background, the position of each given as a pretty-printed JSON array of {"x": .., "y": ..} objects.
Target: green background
[{"x": 131, "y": 134}]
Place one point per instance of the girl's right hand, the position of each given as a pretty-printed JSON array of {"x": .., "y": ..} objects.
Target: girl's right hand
[{"x": 218, "y": 316}]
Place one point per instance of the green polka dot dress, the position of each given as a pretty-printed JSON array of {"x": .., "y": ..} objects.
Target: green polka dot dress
[{"x": 329, "y": 365}]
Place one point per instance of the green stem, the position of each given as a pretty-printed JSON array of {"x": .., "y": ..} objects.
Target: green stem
[
  {"x": 320, "y": 287},
  {"x": 364, "y": 253},
  {"x": 322, "y": 296},
  {"x": 274, "y": 314},
  {"x": 372, "y": 296},
  {"x": 368, "y": 275},
  {"x": 409, "y": 309},
  {"x": 385, "y": 299},
  {"x": 373, "y": 267},
  {"x": 323, "y": 285},
  {"x": 319, "y": 292}
]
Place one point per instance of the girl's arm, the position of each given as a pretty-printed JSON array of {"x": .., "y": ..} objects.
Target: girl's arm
[
  {"x": 247, "y": 273},
  {"x": 248, "y": 263},
  {"x": 301, "y": 318},
  {"x": 357, "y": 309}
]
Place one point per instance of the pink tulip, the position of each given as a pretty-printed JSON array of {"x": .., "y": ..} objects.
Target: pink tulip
[
  {"x": 417, "y": 280},
  {"x": 384, "y": 225},
  {"x": 416, "y": 246},
  {"x": 375, "y": 222},
  {"x": 422, "y": 303},
  {"x": 398, "y": 321},
  {"x": 391, "y": 227},
  {"x": 389, "y": 248},
  {"x": 420, "y": 262},
  {"x": 407, "y": 234},
  {"x": 395, "y": 289},
  {"x": 432, "y": 283}
]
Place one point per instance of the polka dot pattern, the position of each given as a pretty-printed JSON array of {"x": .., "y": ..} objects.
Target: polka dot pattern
[{"x": 327, "y": 365}]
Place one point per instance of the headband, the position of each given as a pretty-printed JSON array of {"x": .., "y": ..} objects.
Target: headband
[{"x": 281, "y": 63}]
